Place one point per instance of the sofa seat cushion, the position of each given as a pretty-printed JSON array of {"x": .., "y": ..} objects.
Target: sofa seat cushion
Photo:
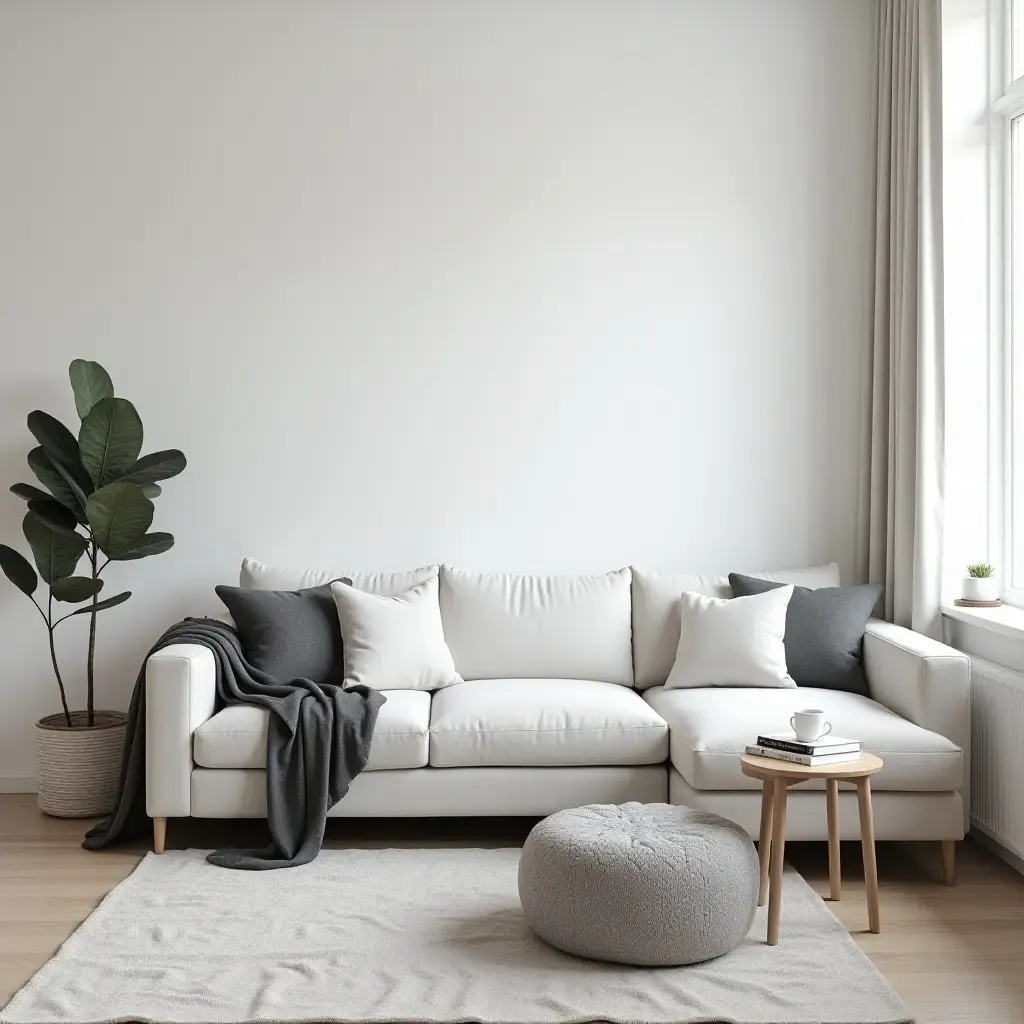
[
  {"x": 711, "y": 727},
  {"x": 548, "y": 722},
  {"x": 236, "y": 737}
]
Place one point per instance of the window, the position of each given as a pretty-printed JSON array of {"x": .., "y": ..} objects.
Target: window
[
  {"x": 983, "y": 252},
  {"x": 1013, "y": 371},
  {"x": 1016, "y": 55},
  {"x": 1007, "y": 319}
]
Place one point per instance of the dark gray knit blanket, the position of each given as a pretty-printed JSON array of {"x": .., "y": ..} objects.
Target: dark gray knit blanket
[{"x": 318, "y": 742}]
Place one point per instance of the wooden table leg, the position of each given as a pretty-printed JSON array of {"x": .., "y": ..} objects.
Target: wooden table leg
[
  {"x": 764, "y": 842},
  {"x": 778, "y": 853},
  {"x": 159, "y": 834},
  {"x": 834, "y": 872},
  {"x": 867, "y": 842}
]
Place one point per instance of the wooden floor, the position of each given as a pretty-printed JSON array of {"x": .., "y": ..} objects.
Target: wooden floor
[{"x": 954, "y": 954}]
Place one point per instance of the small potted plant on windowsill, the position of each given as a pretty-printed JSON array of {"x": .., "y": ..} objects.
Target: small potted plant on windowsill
[
  {"x": 980, "y": 584},
  {"x": 98, "y": 505}
]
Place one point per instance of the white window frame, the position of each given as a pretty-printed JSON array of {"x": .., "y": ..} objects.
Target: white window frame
[{"x": 1007, "y": 106}]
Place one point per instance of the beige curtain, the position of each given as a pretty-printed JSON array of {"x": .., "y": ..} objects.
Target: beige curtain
[{"x": 905, "y": 463}]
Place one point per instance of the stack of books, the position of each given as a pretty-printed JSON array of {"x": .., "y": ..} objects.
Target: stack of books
[{"x": 825, "y": 750}]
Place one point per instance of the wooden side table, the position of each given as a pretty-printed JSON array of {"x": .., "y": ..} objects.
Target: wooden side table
[{"x": 776, "y": 778}]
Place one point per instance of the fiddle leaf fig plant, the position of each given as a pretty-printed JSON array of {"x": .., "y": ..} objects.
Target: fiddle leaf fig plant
[{"x": 95, "y": 503}]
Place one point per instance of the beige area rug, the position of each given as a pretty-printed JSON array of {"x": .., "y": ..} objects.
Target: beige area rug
[{"x": 414, "y": 935}]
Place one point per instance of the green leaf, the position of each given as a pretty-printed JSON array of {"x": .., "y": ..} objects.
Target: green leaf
[
  {"x": 58, "y": 441},
  {"x": 81, "y": 490},
  {"x": 152, "y": 490},
  {"x": 111, "y": 602},
  {"x": 61, "y": 447},
  {"x": 110, "y": 440},
  {"x": 60, "y": 484},
  {"x": 90, "y": 383},
  {"x": 30, "y": 493},
  {"x": 151, "y": 544},
  {"x": 54, "y": 515},
  {"x": 81, "y": 496},
  {"x": 75, "y": 589},
  {"x": 119, "y": 514},
  {"x": 18, "y": 570},
  {"x": 158, "y": 466},
  {"x": 81, "y": 493},
  {"x": 56, "y": 553}
]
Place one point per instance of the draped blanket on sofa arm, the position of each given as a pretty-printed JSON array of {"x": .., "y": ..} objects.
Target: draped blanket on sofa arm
[{"x": 318, "y": 741}]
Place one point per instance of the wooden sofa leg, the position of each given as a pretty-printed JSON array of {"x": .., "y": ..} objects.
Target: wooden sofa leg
[
  {"x": 948, "y": 861},
  {"x": 159, "y": 834}
]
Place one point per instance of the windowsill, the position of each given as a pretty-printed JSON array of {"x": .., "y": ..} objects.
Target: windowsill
[{"x": 1007, "y": 619}]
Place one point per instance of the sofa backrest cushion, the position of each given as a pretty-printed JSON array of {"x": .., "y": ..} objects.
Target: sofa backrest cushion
[
  {"x": 260, "y": 576},
  {"x": 538, "y": 627},
  {"x": 656, "y": 611}
]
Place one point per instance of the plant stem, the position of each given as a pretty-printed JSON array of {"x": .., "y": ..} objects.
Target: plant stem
[
  {"x": 53, "y": 659},
  {"x": 90, "y": 666}
]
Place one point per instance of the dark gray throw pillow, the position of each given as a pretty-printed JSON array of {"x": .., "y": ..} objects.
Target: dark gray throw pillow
[
  {"x": 824, "y": 631},
  {"x": 289, "y": 634}
]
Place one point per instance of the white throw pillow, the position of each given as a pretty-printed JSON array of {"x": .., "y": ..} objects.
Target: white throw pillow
[
  {"x": 737, "y": 642},
  {"x": 394, "y": 642},
  {"x": 656, "y": 610}
]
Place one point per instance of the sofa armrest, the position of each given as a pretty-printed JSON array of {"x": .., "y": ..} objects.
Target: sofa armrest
[
  {"x": 181, "y": 693},
  {"x": 926, "y": 682}
]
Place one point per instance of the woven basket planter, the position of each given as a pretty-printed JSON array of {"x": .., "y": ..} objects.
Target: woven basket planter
[{"x": 77, "y": 768}]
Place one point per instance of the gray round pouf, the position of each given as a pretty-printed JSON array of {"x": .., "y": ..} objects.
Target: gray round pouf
[{"x": 646, "y": 884}]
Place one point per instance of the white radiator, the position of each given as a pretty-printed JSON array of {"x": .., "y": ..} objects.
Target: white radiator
[{"x": 997, "y": 753}]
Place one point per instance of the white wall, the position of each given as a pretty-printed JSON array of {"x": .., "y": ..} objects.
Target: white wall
[{"x": 522, "y": 286}]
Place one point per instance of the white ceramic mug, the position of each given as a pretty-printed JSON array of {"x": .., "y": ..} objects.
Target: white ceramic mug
[{"x": 810, "y": 725}]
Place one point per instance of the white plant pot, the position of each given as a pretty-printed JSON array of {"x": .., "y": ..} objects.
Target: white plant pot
[{"x": 977, "y": 588}]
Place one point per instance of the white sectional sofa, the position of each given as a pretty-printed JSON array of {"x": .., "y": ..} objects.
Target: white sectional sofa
[{"x": 563, "y": 703}]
